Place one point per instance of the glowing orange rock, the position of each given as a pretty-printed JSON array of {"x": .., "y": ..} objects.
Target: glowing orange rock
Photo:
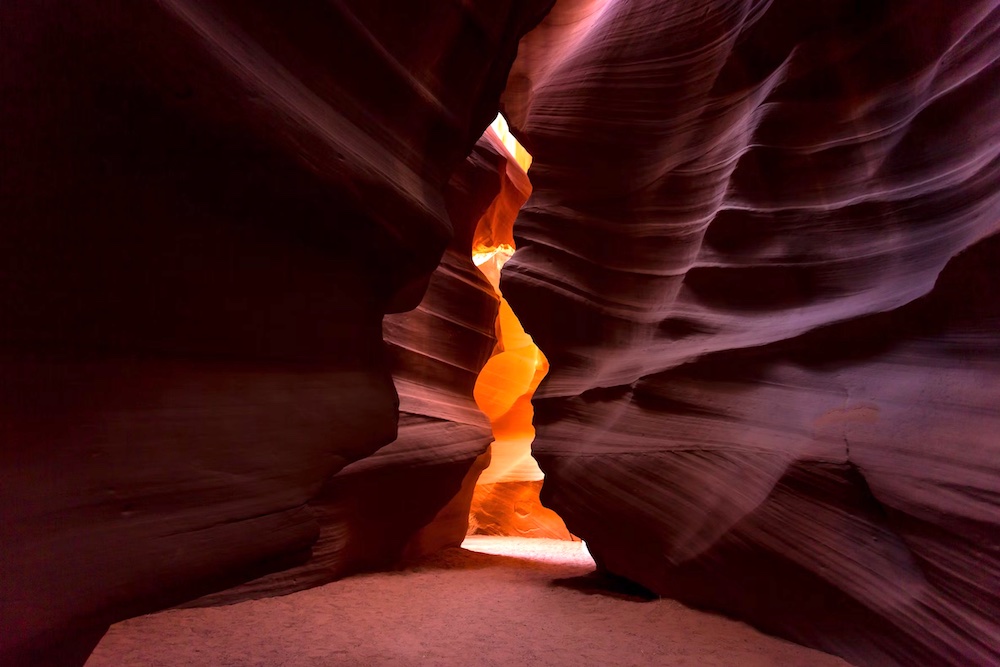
[
  {"x": 506, "y": 498},
  {"x": 514, "y": 508}
]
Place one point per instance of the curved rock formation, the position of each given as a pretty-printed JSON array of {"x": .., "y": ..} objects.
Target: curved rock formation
[
  {"x": 208, "y": 208},
  {"x": 506, "y": 496},
  {"x": 383, "y": 506},
  {"x": 760, "y": 258},
  {"x": 757, "y": 257}
]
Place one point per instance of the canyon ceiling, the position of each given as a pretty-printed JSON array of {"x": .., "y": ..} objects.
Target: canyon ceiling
[{"x": 242, "y": 327}]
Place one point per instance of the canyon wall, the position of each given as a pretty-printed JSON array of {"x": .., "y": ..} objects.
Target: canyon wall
[
  {"x": 413, "y": 495},
  {"x": 760, "y": 256},
  {"x": 208, "y": 209}
]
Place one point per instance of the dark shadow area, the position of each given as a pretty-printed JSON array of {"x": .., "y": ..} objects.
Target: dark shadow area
[{"x": 608, "y": 585}]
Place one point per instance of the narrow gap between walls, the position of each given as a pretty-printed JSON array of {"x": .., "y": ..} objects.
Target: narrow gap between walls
[{"x": 506, "y": 499}]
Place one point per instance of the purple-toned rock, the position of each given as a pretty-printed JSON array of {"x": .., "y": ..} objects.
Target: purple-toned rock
[
  {"x": 759, "y": 258},
  {"x": 208, "y": 207},
  {"x": 413, "y": 496}
]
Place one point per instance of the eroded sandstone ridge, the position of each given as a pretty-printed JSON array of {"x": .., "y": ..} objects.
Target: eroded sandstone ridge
[
  {"x": 760, "y": 256},
  {"x": 208, "y": 206}
]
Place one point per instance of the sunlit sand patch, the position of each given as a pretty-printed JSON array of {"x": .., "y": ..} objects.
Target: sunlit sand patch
[{"x": 556, "y": 552}]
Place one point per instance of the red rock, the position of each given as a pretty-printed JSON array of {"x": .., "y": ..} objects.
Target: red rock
[
  {"x": 505, "y": 501},
  {"x": 412, "y": 496},
  {"x": 757, "y": 257},
  {"x": 208, "y": 209}
]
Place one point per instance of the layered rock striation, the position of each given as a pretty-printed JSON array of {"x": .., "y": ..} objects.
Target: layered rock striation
[
  {"x": 208, "y": 209},
  {"x": 758, "y": 258},
  {"x": 413, "y": 495}
]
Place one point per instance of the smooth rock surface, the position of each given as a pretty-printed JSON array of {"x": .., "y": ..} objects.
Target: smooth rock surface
[
  {"x": 404, "y": 498},
  {"x": 514, "y": 509},
  {"x": 760, "y": 256},
  {"x": 506, "y": 499},
  {"x": 208, "y": 208}
]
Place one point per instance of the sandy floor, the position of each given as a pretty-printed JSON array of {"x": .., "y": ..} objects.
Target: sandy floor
[{"x": 532, "y": 605}]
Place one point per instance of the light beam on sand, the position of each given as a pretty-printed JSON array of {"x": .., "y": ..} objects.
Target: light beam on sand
[{"x": 543, "y": 550}]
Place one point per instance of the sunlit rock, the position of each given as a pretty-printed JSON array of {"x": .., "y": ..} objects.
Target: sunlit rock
[{"x": 506, "y": 499}]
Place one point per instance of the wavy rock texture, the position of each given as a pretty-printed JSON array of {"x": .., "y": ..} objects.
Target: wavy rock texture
[
  {"x": 760, "y": 258},
  {"x": 412, "y": 496},
  {"x": 208, "y": 208},
  {"x": 514, "y": 509}
]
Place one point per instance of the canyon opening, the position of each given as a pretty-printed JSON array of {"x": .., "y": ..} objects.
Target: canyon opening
[{"x": 506, "y": 499}]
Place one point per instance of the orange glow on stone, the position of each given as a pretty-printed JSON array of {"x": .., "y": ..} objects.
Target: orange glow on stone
[{"x": 506, "y": 497}]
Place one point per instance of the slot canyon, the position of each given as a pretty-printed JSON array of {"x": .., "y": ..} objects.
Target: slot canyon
[{"x": 691, "y": 356}]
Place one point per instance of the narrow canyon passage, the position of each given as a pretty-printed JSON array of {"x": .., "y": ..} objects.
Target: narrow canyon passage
[
  {"x": 506, "y": 498},
  {"x": 498, "y": 601},
  {"x": 521, "y": 589},
  {"x": 262, "y": 377}
]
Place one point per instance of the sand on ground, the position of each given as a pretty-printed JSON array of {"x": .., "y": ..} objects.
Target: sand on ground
[{"x": 513, "y": 602}]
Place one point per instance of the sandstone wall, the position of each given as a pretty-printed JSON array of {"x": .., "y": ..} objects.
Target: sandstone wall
[
  {"x": 208, "y": 208},
  {"x": 758, "y": 258}
]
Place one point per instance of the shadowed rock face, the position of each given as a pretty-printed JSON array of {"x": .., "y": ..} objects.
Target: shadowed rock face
[
  {"x": 759, "y": 258},
  {"x": 412, "y": 496},
  {"x": 208, "y": 209}
]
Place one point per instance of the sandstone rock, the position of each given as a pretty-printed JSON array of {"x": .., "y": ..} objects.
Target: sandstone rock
[
  {"x": 757, "y": 257},
  {"x": 514, "y": 509},
  {"x": 413, "y": 495},
  {"x": 208, "y": 209},
  {"x": 506, "y": 498}
]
